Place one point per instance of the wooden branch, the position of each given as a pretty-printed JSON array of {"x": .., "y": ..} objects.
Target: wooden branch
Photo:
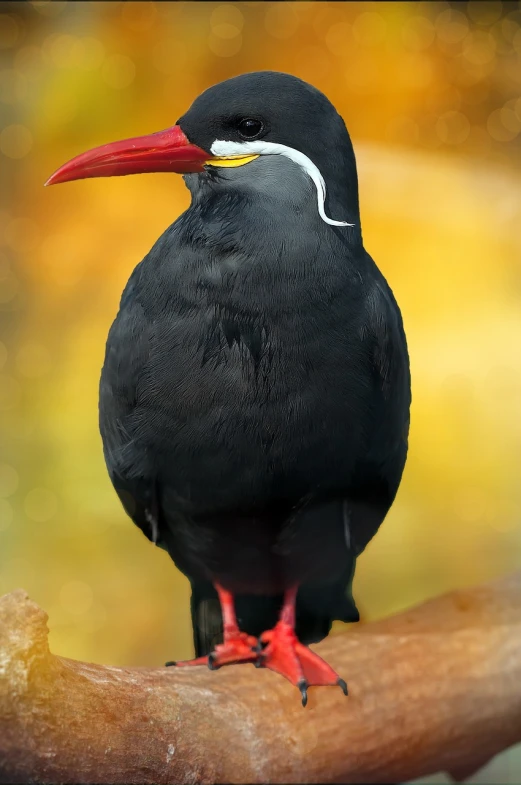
[{"x": 437, "y": 688}]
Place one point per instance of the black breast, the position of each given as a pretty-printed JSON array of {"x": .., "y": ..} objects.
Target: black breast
[{"x": 240, "y": 390}]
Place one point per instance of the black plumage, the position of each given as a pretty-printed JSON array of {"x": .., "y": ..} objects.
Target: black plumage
[{"x": 254, "y": 400}]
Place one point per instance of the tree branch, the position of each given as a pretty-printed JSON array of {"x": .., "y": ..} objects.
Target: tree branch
[{"x": 437, "y": 688}]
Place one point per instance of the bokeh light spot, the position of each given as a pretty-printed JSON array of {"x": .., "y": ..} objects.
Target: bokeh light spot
[
  {"x": 40, "y": 504},
  {"x": 48, "y": 7},
  {"x": 13, "y": 86},
  {"x": 451, "y": 26},
  {"x": 484, "y": 12},
  {"x": 139, "y": 15},
  {"x": 33, "y": 360},
  {"x": 9, "y": 31},
  {"x": 510, "y": 117},
  {"x": 6, "y": 514},
  {"x": 93, "y": 53},
  {"x": 227, "y": 15},
  {"x": 337, "y": 37},
  {"x": 280, "y": 20},
  {"x": 369, "y": 28},
  {"x": 503, "y": 124},
  {"x": 8, "y": 480},
  {"x": 453, "y": 127},
  {"x": 225, "y": 30},
  {"x": 16, "y": 141},
  {"x": 479, "y": 47},
  {"x": 66, "y": 51},
  {"x": 76, "y": 597},
  {"x": 118, "y": 71},
  {"x": 48, "y": 43},
  {"x": 418, "y": 33},
  {"x": 225, "y": 47}
]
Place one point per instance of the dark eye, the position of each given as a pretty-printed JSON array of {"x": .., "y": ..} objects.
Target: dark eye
[{"x": 249, "y": 128}]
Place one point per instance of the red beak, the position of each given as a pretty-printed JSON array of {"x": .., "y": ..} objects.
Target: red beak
[{"x": 165, "y": 151}]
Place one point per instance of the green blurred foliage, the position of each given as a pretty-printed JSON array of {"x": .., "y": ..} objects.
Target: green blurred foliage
[{"x": 430, "y": 92}]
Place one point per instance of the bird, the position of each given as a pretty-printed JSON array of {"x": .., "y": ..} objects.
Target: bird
[{"x": 254, "y": 401}]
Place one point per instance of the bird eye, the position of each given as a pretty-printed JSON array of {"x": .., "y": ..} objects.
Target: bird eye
[{"x": 249, "y": 128}]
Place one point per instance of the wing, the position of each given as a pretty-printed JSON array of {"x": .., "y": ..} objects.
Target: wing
[
  {"x": 378, "y": 474},
  {"x": 126, "y": 354}
]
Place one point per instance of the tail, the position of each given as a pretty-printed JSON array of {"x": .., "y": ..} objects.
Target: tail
[{"x": 317, "y": 607}]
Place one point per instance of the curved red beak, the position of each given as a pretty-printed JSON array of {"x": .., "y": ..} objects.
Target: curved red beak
[{"x": 165, "y": 151}]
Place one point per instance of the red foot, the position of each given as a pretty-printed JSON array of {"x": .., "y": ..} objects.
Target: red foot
[
  {"x": 239, "y": 647},
  {"x": 286, "y": 655}
]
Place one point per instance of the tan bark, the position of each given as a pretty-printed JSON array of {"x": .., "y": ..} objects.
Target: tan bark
[{"x": 437, "y": 688}]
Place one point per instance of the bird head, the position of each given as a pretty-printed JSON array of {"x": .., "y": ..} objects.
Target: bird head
[{"x": 259, "y": 128}]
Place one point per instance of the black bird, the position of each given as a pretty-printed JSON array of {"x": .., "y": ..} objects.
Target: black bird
[{"x": 254, "y": 401}]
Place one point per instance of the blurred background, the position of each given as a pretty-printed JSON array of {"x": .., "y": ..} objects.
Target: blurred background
[{"x": 431, "y": 94}]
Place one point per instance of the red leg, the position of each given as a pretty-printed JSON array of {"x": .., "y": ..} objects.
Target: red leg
[
  {"x": 286, "y": 655},
  {"x": 236, "y": 647}
]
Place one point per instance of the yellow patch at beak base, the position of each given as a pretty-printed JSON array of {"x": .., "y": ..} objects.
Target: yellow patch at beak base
[{"x": 239, "y": 160}]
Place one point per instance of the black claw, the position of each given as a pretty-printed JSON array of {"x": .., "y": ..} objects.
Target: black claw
[
  {"x": 169, "y": 663},
  {"x": 259, "y": 662},
  {"x": 303, "y": 687},
  {"x": 211, "y": 663},
  {"x": 343, "y": 686},
  {"x": 258, "y": 648}
]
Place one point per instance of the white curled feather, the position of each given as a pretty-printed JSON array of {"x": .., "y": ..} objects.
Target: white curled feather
[{"x": 224, "y": 149}]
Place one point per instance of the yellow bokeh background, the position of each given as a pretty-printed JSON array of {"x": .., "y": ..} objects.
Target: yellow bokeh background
[{"x": 431, "y": 94}]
